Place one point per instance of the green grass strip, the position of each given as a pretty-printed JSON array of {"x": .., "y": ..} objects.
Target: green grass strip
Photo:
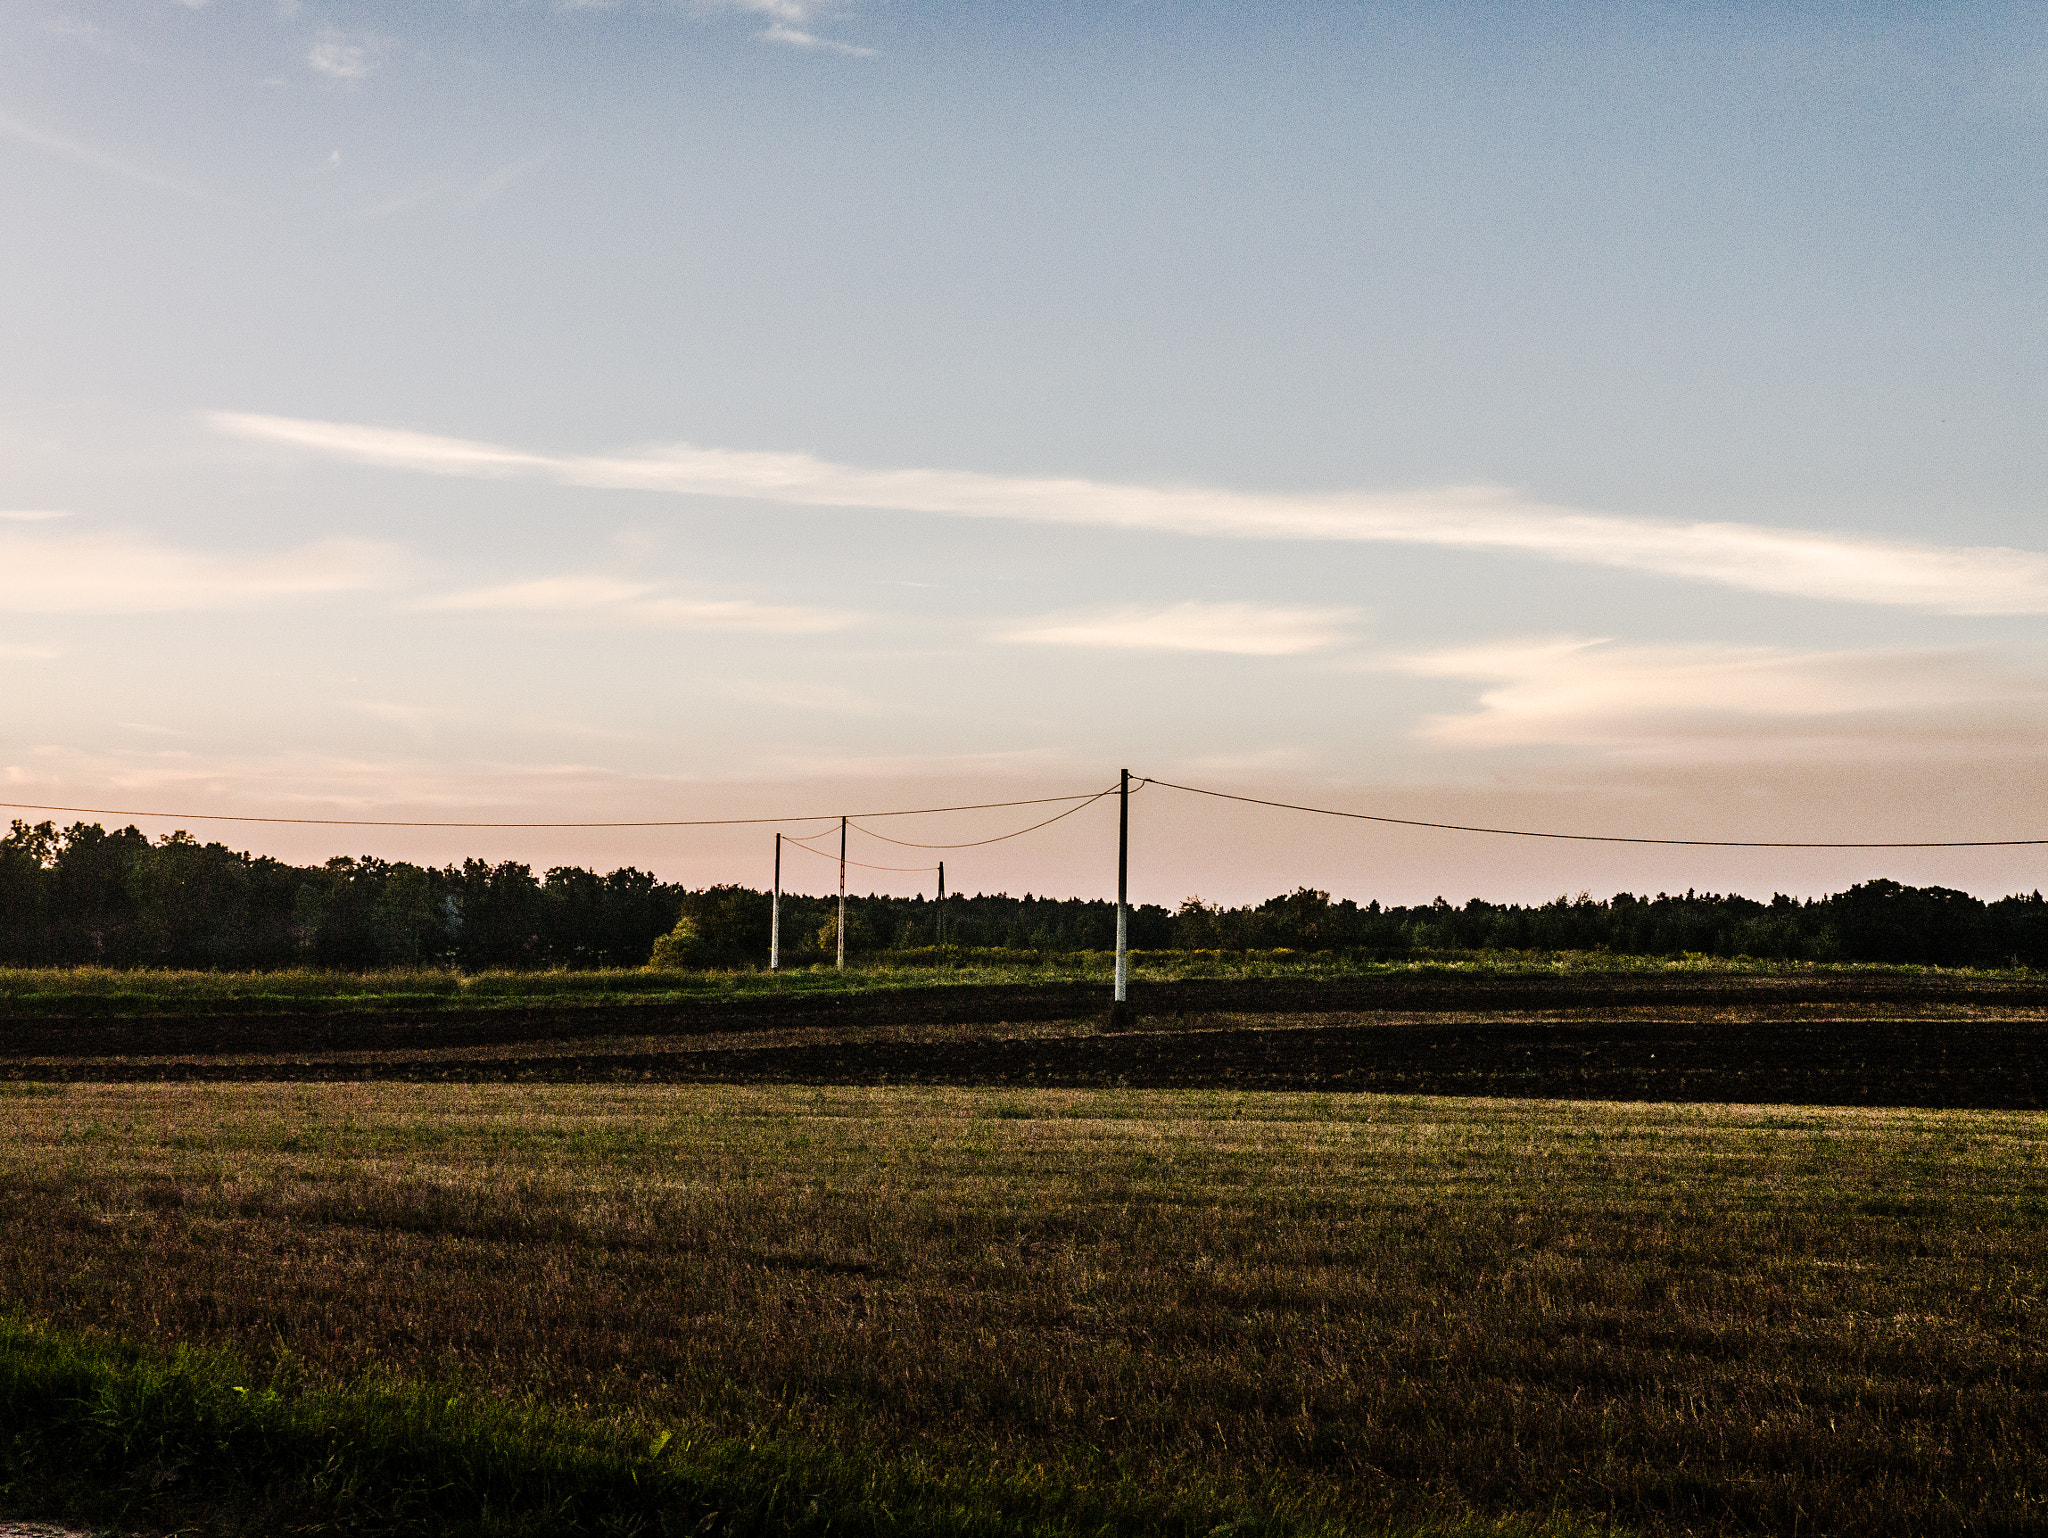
[
  {"x": 29, "y": 991},
  {"x": 117, "y": 1437}
]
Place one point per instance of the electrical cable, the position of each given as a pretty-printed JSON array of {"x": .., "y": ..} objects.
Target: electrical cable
[
  {"x": 827, "y": 855},
  {"x": 1083, "y": 800},
  {"x": 976, "y": 843},
  {"x": 693, "y": 822},
  {"x": 1608, "y": 838}
]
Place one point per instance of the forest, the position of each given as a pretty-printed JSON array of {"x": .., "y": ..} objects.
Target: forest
[{"x": 83, "y": 895}]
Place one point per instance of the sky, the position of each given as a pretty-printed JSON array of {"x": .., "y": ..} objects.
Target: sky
[{"x": 1595, "y": 419}]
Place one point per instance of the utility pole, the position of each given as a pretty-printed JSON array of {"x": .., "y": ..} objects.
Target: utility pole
[
  {"x": 942, "y": 904},
  {"x": 775, "y": 913},
  {"x": 1123, "y": 884},
  {"x": 842, "y": 894}
]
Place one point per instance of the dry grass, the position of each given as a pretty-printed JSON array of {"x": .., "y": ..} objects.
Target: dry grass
[{"x": 1670, "y": 1318}]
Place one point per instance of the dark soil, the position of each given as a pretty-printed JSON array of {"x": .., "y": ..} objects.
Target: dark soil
[
  {"x": 1892, "y": 1041},
  {"x": 364, "y": 1028}
]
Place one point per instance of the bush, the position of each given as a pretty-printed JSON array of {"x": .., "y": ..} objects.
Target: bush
[
  {"x": 857, "y": 936},
  {"x": 681, "y": 949}
]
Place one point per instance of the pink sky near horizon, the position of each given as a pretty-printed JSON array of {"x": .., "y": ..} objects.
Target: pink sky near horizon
[
  {"x": 1615, "y": 419},
  {"x": 1182, "y": 845}
]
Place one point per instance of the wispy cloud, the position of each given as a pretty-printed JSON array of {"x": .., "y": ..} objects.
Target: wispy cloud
[
  {"x": 789, "y": 23},
  {"x": 415, "y": 717},
  {"x": 128, "y": 574},
  {"x": 417, "y": 195},
  {"x": 1030, "y": 765},
  {"x": 11, "y": 653},
  {"x": 30, "y": 515},
  {"x": 91, "y": 157},
  {"x": 79, "y": 31},
  {"x": 500, "y": 180},
  {"x": 464, "y": 193},
  {"x": 613, "y": 600},
  {"x": 346, "y": 56},
  {"x": 1245, "y": 629},
  {"x": 835, "y": 699},
  {"x": 1731, "y": 700},
  {"x": 796, "y": 37},
  {"x": 308, "y": 783},
  {"x": 493, "y": 719},
  {"x": 393, "y": 447},
  {"x": 1793, "y": 562}
]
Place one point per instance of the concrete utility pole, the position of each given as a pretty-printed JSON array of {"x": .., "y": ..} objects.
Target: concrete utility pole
[
  {"x": 842, "y": 894},
  {"x": 942, "y": 902},
  {"x": 775, "y": 913},
  {"x": 1123, "y": 883}
]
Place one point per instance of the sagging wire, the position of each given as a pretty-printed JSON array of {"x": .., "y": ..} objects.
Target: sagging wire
[
  {"x": 392, "y": 822},
  {"x": 793, "y": 840},
  {"x": 976, "y": 843},
  {"x": 1606, "y": 838}
]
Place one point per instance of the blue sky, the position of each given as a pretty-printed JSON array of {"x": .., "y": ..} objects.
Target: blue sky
[{"x": 1600, "y": 418}]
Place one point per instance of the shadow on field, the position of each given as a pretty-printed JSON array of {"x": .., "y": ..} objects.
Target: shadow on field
[{"x": 1851, "y": 1041}]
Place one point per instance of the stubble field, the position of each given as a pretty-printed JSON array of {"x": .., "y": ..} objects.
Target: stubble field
[{"x": 1006, "y": 1308}]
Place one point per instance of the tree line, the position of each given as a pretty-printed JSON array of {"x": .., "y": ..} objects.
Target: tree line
[{"x": 83, "y": 895}]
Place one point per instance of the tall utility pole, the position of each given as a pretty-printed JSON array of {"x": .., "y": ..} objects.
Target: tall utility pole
[
  {"x": 842, "y": 894},
  {"x": 775, "y": 913},
  {"x": 942, "y": 902},
  {"x": 1123, "y": 884}
]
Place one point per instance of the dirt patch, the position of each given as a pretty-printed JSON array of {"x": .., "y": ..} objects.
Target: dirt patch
[
  {"x": 1824, "y": 1042},
  {"x": 377, "y": 1029}
]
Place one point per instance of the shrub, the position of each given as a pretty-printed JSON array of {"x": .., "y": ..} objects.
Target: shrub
[{"x": 682, "y": 948}]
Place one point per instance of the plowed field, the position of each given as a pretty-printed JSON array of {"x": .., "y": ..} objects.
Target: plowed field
[{"x": 1853, "y": 1041}]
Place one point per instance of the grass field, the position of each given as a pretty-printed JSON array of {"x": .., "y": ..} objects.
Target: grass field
[
  {"x": 976, "y": 1309},
  {"x": 72, "y": 990}
]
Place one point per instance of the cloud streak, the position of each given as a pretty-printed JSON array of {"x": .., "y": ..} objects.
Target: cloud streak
[
  {"x": 499, "y": 180},
  {"x": 610, "y": 599},
  {"x": 835, "y": 699},
  {"x": 464, "y": 195},
  {"x": 346, "y": 56},
  {"x": 1750, "y": 701},
  {"x": 91, "y": 158},
  {"x": 1790, "y": 562},
  {"x": 127, "y": 574},
  {"x": 1241, "y": 629},
  {"x": 789, "y": 22},
  {"x": 796, "y": 37}
]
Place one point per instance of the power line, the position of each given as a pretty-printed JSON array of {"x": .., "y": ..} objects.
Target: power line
[
  {"x": 798, "y": 840},
  {"x": 1083, "y": 800},
  {"x": 789, "y": 838},
  {"x": 976, "y": 843},
  {"x": 684, "y": 822},
  {"x": 1607, "y": 838}
]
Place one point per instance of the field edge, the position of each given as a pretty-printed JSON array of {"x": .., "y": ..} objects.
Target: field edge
[{"x": 115, "y": 1437}]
